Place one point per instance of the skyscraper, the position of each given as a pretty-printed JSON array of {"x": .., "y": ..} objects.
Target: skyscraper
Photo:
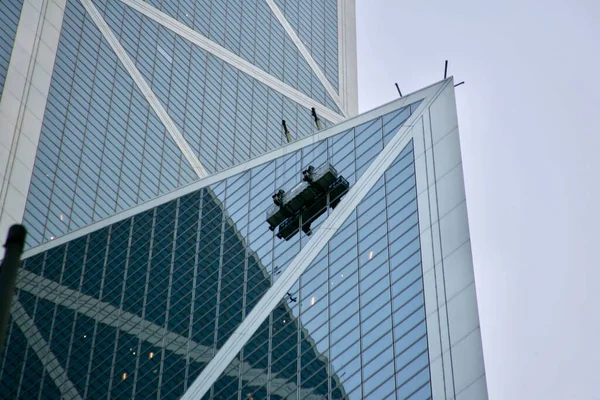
[
  {"x": 151, "y": 269},
  {"x": 127, "y": 100}
]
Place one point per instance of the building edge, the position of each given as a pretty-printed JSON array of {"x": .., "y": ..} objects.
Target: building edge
[
  {"x": 348, "y": 72},
  {"x": 349, "y": 123},
  {"x": 23, "y": 103},
  {"x": 453, "y": 329}
]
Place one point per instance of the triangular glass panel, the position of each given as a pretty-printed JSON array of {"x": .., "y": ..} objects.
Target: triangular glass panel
[
  {"x": 164, "y": 289},
  {"x": 359, "y": 307}
]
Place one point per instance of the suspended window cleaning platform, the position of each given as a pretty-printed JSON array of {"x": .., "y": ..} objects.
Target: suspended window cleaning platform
[{"x": 296, "y": 209}]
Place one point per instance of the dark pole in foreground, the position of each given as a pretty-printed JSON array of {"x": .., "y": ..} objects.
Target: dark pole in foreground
[{"x": 8, "y": 274}]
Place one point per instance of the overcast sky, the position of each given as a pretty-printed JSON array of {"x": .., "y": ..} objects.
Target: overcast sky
[{"x": 529, "y": 119}]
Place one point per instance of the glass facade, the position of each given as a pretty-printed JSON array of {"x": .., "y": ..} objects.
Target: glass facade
[
  {"x": 213, "y": 104},
  {"x": 249, "y": 29},
  {"x": 102, "y": 147},
  {"x": 139, "y": 307},
  {"x": 10, "y": 12},
  {"x": 360, "y": 304},
  {"x": 316, "y": 23}
]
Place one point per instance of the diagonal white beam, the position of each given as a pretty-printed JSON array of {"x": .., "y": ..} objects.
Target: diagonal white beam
[
  {"x": 141, "y": 83},
  {"x": 231, "y": 58},
  {"x": 23, "y": 103},
  {"x": 132, "y": 324},
  {"x": 39, "y": 345},
  {"x": 219, "y": 176},
  {"x": 301, "y": 262},
  {"x": 306, "y": 54},
  {"x": 105, "y": 313}
]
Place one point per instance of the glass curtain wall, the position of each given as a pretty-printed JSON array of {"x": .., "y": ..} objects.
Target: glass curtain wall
[{"x": 141, "y": 306}]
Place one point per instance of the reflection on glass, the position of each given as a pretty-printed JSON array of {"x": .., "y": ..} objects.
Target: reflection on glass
[{"x": 169, "y": 286}]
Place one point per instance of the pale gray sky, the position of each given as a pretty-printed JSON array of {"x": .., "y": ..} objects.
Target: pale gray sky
[{"x": 529, "y": 118}]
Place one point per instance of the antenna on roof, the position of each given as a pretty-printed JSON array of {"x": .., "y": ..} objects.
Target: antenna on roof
[
  {"x": 398, "y": 88},
  {"x": 286, "y": 131},
  {"x": 446, "y": 74},
  {"x": 316, "y": 117}
]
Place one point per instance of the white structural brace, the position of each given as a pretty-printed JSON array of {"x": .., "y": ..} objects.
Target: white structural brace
[
  {"x": 42, "y": 350},
  {"x": 306, "y": 54},
  {"x": 219, "y": 176},
  {"x": 141, "y": 83},
  {"x": 23, "y": 102},
  {"x": 302, "y": 261},
  {"x": 130, "y": 323},
  {"x": 231, "y": 58}
]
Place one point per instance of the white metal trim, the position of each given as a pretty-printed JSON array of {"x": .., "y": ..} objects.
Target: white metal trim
[
  {"x": 37, "y": 342},
  {"x": 321, "y": 135},
  {"x": 445, "y": 251},
  {"x": 23, "y": 102},
  {"x": 341, "y": 53},
  {"x": 141, "y": 83},
  {"x": 288, "y": 278},
  {"x": 231, "y": 58},
  {"x": 307, "y": 56}
]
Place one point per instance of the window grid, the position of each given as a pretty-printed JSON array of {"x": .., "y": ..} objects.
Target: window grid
[
  {"x": 103, "y": 150},
  {"x": 212, "y": 242},
  {"x": 316, "y": 24},
  {"x": 91, "y": 137},
  {"x": 273, "y": 50}
]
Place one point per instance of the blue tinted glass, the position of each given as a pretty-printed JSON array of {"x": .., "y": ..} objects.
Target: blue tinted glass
[
  {"x": 316, "y": 23},
  {"x": 102, "y": 149},
  {"x": 145, "y": 303},
  {"x": 212, "y": 103},
  {"x": 10, "y": 12},
  {"x": 250, "y": 30}
]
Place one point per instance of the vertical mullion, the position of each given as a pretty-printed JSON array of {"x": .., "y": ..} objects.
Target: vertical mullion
[
  {"x": 270, "y": 355},
  {"x": 244, "y": 291},
  {"x": 79, "y": 293},
  {"x": 328, "y": 358},
  {"x": 72, "y": 337},
  {"x": 96, "y": 321},
  {"x": 28, "y": 345},
  {"x": 60, "y": 279},
  {"x": 169, "y": 289},
  {"x": 145, "y": 299},
  {"x": 128, "y": 256},
  {"x": 362, "y": 378},
  {"x": 194, "y": 285},
  {"x": 299, "y": 335},
  {"x": 219, "y": 283},
  {"x": 116, "y": 347}
]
